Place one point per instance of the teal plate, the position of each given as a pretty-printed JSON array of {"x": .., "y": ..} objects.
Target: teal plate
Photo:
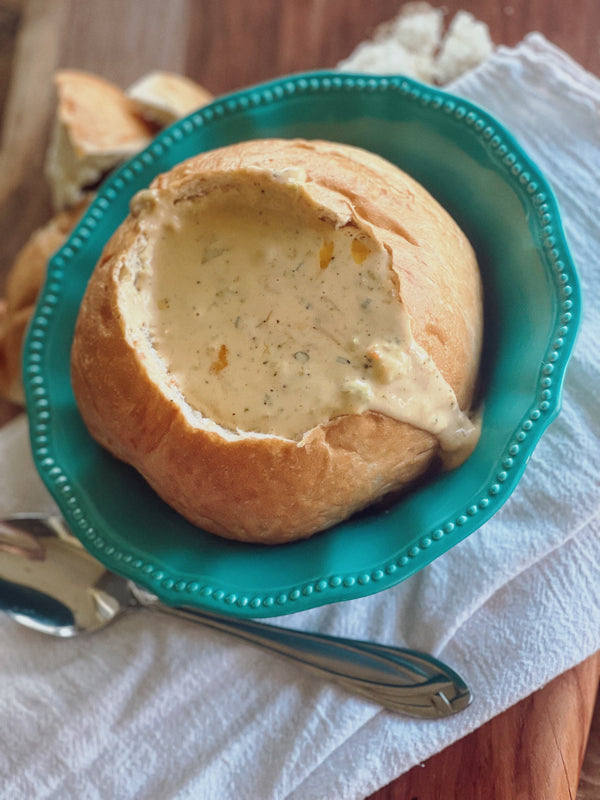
[{"x": 477, "y": 170}]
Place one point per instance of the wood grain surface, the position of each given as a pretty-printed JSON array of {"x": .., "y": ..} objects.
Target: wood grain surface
[{"x": 535, "y": 749}]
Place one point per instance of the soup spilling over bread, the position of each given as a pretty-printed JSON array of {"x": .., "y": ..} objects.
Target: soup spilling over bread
[{"x": 280, "y": 333}]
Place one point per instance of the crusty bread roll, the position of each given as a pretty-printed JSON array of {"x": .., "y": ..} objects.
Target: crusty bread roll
[
  {"x": 164, "y": 97},
  {"x": 280, "y": 333},
  {"x": 23, "y": 285},
  {"x": 96, "y": 128}
]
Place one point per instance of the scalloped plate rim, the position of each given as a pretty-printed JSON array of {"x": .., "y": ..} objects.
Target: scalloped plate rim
[{"x": 285, "y": 599}]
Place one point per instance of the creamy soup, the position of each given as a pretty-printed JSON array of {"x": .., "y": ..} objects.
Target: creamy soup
[{"x": 272, "y": 320}]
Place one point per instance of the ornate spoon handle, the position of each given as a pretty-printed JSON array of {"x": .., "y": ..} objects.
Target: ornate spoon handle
[{"x": 401, "y": 680}]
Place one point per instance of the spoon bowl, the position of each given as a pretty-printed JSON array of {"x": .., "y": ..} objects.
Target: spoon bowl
[{"x": 49, "y": 582}]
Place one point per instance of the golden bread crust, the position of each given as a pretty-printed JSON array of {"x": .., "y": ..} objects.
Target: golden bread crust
[
  {"x": 96, "y": 128},
  {"x": 23, "y": 285},
  {"x": 267, "y": 488},
  {"x": 163, "y": 97},
  {"x": 98, "y": 115}
]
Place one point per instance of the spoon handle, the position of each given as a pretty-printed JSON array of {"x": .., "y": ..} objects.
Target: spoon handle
[{"x": 401, "y": 680}]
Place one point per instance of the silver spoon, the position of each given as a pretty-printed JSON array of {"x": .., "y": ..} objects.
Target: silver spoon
[{"x": 49, "y": 582}]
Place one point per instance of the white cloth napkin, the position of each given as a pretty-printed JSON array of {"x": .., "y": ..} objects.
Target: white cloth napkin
[{"x": 155, "y": 708}]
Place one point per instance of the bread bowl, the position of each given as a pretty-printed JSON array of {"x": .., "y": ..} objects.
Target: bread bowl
[{"x": 282, "y": 476}]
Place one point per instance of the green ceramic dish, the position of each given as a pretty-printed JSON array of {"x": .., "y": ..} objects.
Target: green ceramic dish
[{"x": 478, "y": 171}]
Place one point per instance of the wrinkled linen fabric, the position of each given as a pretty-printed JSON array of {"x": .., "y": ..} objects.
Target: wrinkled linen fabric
[{"x": 155, "y": 708}]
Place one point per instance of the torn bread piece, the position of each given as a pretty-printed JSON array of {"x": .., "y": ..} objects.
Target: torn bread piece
[
  {"x": 23, "y": 285},
  {"x": 406, "y": 44},
  {"x": 96, "y": 128},
  {"x": 414, "y": 44},
  {"x": 466, "y": 45},
  {"x": 162, "y": 98}
]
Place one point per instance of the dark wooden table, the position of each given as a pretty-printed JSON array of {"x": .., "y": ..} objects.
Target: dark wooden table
[{"x": 535, "y": 749}]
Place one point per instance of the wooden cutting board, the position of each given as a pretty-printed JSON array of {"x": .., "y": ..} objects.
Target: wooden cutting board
[{"x": 535, "y": 749}]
